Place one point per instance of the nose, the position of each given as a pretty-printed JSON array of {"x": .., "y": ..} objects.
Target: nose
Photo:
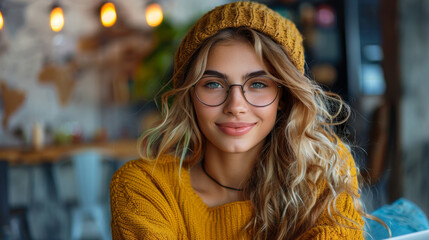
[{"x": 235, "y": 103}]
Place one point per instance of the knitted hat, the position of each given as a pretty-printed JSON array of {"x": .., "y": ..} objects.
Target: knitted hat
[{"x": 240, "y": 14}]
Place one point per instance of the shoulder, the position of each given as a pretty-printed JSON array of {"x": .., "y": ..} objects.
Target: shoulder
[
  {"x": 144, "y": 173},
  {"x": 348, "y": 163},
  {"x": 142, "y": 200},
  {"x": 344, "y": 151},
  {"x": 148, "y": 166},
  {"x": 141, "y": 185},
  {"x": 344, "y": 173},
  {"x": 340, "y": 218}
]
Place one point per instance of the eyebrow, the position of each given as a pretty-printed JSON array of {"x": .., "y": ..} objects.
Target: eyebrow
[
  {"x": 255, "y": 74},
  {"x": 214, "y": 73},
  {"x": 247, "y": 76}
]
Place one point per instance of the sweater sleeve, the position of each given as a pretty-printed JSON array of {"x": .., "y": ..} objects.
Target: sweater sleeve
[
  {"x": 140, "y": 209},
  {"x": 348, "y": 223}
]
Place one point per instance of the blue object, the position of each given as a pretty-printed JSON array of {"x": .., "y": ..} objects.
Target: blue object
[
  {"x": 402, "y": 217},
  {"x": 87, "y": 166}
]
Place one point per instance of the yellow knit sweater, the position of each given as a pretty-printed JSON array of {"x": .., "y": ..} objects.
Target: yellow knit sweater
[{"x": 148, "y": 201}]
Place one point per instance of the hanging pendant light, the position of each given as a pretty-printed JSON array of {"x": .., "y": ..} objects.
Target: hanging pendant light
[
  {"x": 108, "y": 14},
  {"x": 1, "y": 21},
  {"x": 154, "y": 15},
  {"x": 56, "y": 18}
]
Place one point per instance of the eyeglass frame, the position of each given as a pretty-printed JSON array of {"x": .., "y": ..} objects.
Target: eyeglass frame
[{"x": 242, "y": 92}]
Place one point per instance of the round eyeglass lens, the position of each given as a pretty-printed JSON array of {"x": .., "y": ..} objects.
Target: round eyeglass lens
[
  {"x": 260, "y": 91},
  {"x": 211, "y": 91}
]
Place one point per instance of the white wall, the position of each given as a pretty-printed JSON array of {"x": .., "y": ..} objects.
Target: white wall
[{"x": 27, "y": 42}]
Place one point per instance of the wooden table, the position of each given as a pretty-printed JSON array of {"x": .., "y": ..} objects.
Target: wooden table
[
  {"x": 121, "y": 150},
  {"x": 116, "y": 149}
]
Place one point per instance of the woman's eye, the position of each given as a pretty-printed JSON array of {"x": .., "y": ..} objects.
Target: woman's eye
[
  {"x": 258, "y": 85},
  {"x": 213, "y": 85}
]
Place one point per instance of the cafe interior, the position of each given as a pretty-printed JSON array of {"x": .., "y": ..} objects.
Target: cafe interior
[{"x": 80, "y": 81}]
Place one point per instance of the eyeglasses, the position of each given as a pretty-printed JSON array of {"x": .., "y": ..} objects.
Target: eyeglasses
[{"x": 259, "y": 91}]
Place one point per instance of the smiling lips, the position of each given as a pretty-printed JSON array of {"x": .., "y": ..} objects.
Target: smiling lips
[{"x": 235, "y": 128}]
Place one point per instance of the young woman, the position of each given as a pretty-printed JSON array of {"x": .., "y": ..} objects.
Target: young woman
[{"x": 247, "y": 147}]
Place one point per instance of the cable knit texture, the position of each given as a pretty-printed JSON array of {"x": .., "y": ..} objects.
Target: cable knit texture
[
  {"x": 239, "y": 14},
  {"x": 148, "y": 201}
]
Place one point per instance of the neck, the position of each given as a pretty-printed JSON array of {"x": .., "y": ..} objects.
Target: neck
[
  {"x": 216, "y": 181},
  {"x": 229, "y": 169}
]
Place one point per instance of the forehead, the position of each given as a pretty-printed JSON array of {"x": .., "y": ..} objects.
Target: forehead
[{"x": 233, "y": 56}]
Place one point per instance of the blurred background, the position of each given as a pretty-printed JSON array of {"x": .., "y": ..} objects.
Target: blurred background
[{"x": 78, "y": 79}]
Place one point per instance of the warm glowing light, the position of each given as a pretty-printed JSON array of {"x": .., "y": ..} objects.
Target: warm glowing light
[
  {"x": 57, "y": 19},
  {"x": 1, "y": 21},
  {"x": 108, "y": 14},
  {"x": 154, "y": 14}
]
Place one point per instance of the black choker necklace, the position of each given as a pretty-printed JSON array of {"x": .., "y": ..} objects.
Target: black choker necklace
[{"x": 214, "y": 180}]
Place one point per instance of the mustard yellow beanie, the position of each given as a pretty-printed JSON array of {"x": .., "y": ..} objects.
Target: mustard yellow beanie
[{"x": 239, "y": 14}]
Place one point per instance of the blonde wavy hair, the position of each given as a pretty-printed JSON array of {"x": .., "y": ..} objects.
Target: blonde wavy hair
[{"x": 301, "y": 152}]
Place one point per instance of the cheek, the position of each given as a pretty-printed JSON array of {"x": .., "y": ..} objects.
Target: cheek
[
  {"x": 273, "y": 109},
  {"x": 272, "y": 116},
  {"x": 203, "y": 114},
  {"x": 197, "y": 108}
]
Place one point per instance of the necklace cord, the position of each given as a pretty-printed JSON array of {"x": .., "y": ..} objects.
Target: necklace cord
[{"x": 214, "y": 180}]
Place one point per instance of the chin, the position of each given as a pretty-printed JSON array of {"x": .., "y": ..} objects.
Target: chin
[{"x": 235, "y": 148}]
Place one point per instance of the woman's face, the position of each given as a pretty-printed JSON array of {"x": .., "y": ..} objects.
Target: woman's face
[{"x": 234, "y": 126}]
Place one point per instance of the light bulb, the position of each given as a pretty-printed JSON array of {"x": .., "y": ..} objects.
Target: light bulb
[
  {"x": 57, "y": 19},
  {"x": 108, "y": 14},
  {"x": 154, "y": 14},
  {"x": 1, "y": 21}
]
